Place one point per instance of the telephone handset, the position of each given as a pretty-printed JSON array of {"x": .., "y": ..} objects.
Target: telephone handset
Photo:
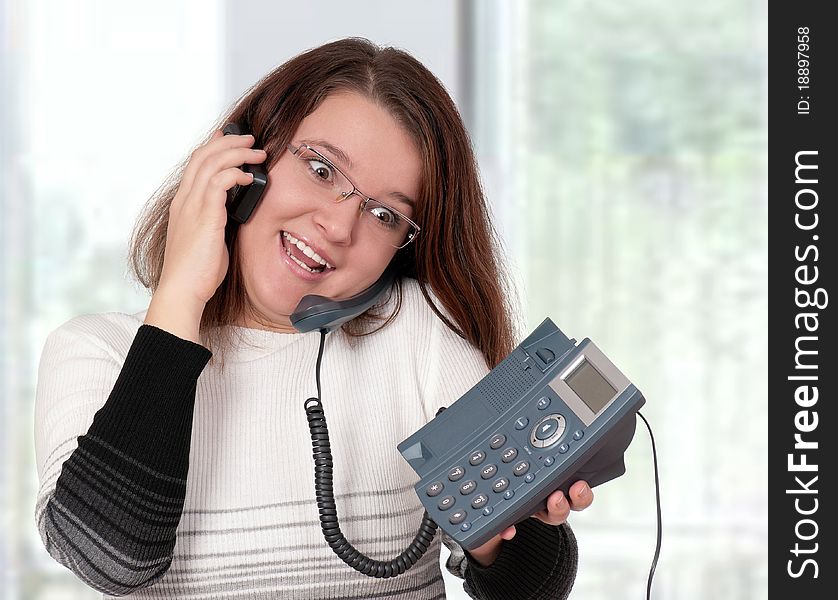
[
  {"x": 243, "y": 199},
  {"x": 321, "y": 313}
]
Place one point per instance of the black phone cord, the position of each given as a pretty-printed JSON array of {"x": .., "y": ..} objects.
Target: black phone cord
[
  {"x": 658, "y": 500},
  {"x": 321, "y": 451}
]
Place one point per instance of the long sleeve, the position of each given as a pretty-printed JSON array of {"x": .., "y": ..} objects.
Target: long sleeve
[
  {"x": 112, "y": 515},
  {"x": 539, "y": 563}
]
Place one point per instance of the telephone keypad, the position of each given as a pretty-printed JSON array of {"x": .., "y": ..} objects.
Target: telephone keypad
[{"x": 485, "y": 461}]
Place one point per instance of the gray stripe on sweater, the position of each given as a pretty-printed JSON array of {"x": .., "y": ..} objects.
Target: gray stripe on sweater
[
  {"x": 158, "y": 505},
  {"x": 136, "y": 463},
  {"x": 350, "y": 583},
  {"x": 93, "y": 558},
  {"x": 365, "y": 494},
  {"x": 349, "y": 519}
]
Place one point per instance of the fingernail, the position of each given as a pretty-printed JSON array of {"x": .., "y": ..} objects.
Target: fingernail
[
  {"x": 585, "y": 490},
  {"x": 561, "y": 498}
]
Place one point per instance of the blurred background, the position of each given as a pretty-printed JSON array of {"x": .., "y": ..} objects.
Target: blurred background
[{"x": 623, "y": 146}]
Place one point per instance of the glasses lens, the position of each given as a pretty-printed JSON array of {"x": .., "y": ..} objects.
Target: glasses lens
[
  {"x": 386, "y": 223},
  {"x": 330, "y": 182}
]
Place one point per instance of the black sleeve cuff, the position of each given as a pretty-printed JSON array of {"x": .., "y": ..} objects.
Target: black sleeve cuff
[
  {"x": 148, "y": 416},
  {"x": 539, "y": 563}
]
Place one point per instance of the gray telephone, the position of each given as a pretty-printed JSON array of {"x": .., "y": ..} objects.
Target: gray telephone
[{"x": 550, "y": 414}]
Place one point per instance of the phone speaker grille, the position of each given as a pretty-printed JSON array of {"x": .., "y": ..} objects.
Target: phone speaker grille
[{"x": 508, "y": 384}]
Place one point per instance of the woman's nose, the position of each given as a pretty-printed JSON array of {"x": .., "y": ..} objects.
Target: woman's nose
[{"x": 338, "y": 220}]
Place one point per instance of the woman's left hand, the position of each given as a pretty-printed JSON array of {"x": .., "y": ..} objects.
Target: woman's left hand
[{"x": 558, "y": 509}]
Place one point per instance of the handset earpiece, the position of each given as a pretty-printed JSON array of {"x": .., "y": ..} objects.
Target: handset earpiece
[
  {"x": 316, "y": 312},
  {"x": 243, "y": 199}
]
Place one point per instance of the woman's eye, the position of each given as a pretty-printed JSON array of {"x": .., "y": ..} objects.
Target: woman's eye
[
  {"x": 320, "y": 169},
  {"x": 384, "y": 216}
]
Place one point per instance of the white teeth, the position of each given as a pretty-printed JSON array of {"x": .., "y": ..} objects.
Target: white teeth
[{"x": 305, "y": 250}]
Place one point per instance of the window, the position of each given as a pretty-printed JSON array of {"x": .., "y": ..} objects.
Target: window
[{"x": 624, "y": 148}]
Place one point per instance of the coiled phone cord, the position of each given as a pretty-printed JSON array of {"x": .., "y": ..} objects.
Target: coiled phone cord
[{"x": 321, "y": 451}]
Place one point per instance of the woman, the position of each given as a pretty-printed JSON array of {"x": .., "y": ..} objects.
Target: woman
[{"x": 167, "y": 474}]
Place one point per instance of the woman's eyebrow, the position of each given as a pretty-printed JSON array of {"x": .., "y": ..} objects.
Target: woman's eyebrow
[
  {"x": 338, "y": 154},
  {"x": 402, "y": 198}
]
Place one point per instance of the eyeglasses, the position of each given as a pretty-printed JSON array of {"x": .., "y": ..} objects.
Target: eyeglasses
[{"x": 328, "y": 183}]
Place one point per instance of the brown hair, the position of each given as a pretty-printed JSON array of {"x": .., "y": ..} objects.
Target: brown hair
[{"x": 457, "y": 254}]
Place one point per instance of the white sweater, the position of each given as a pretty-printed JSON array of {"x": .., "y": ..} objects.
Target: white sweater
[{"x": 249, "y": 527}]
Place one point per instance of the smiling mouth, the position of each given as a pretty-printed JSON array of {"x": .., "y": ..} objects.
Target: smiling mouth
[{"x": 304, "y": 256}]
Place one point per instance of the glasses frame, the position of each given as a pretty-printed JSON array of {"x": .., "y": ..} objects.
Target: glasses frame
[{"x": 295, "y": 151}]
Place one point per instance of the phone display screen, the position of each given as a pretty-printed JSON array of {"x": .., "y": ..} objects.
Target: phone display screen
[{"x": 591, "y": 387}]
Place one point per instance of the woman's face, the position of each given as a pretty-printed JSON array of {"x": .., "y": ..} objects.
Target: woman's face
[{"x": 385, "y": 165}]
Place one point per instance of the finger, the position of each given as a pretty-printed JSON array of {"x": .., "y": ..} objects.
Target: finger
[
  {"x": 215, "y": 164},
  {"x": 581, "y": 495},
  {"x": 218, "y": 142},
  {"x": 216, "y": 190},
  {"x": 508, "y": 533},
  {"x": 557, "y": 509}
]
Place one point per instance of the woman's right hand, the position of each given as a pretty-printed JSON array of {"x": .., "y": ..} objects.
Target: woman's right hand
[{"x": 196, "y": 257}]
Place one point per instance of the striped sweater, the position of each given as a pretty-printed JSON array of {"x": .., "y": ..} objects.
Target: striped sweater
[{"x": 163, "y": 475}]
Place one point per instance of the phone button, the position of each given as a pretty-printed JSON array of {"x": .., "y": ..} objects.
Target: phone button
[
  {"x": 521, "y": 468},
  {"x": 497, "y": 441},
  {"x": 456, "y": 473},
  {"x": 468, "y": 487},
  {"x": 434, "y": 489},
  {"x": 480, "y": 501},
  {"x": 476, "y": 458},
  {"x": 446, "y": 503},
  {"x": 457, "y": 517},
  {"x": 488, "y": 471},
  {"x": 546, "y": 355},
  {"x": 500, "y": 485},
  {"x": 521, "y": 422},
  {"x": 509, "y": 455}
]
